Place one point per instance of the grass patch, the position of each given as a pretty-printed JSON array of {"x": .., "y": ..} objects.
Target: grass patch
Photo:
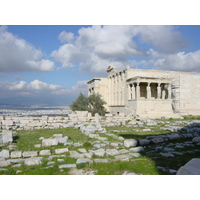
[
  {"x": 143, "y": 165},
  {"x": 25, "y": 140}
]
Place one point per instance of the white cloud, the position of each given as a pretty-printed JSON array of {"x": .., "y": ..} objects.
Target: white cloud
[
  {"x": 97, "y": 47},
  {"x": 39, "y": 92},
  {"x": 165, "y": 38},
  {"x": 81, "y": 86},
  {"x": 66, "y": 37},
  {"x": 17, "y": 86},
  {"x": 181, "y": 62},
  {"x": 17, "y": 55}
]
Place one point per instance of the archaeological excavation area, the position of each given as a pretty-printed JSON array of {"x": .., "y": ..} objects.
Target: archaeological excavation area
[{"x": 79, "y": 144}]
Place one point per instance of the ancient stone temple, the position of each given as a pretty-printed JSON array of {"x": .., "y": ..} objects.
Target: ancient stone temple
[{"x": 149, "y": 93}]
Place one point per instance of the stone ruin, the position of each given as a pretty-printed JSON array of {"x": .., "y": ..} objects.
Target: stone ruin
[
  {"x": 6, "y": 137},
  {"x": 92, "y": 128}
]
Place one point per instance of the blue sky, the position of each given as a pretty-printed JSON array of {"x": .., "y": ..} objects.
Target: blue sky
[{"x": 50, "y": 64}]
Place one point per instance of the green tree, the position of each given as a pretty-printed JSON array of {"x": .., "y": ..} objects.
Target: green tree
[
  {"x": 96, "y": 104},
  {"x": 80, "y": 104}
]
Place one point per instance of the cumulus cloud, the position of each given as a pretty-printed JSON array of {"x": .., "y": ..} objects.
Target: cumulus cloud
[
  {"x": 66, "y": 36},
  {"x": 17, "y": 55},
  {"x": 97, "y": 47},
  {"x": 181, "y": 62},
  {"x": 39, "y": 92},
  {"x": 165, "y": 38}
]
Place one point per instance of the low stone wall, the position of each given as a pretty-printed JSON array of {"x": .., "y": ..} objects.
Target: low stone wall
[{"x": 27, "y": 123}]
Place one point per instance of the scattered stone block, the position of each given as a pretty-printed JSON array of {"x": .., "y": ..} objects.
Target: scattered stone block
[
  {"x": 122, "y": 157},
  {"x": 120, "y": 138},
  {"x": 122, "y": 151},
  {"x": 18, "y": 160},
  {"x": 45, "y": 153},
  {"x": 137, "y": 149},
  {"x": 49, "y": 142},
  {"x": 83, "y": 160},
  {"x": 114, "y": 144},
  {"x": 67, "y": 166},
  {"x": 101, "y": 160},
  {"x": 172, "y": 171},
  {"x": 60, "y": 160},
  {"x": 134, "y": 154},
  {"x": 174, "y": 136},
  {"x": 102, "y": 138},
  {"x": 82, "y": 150},
  {"x": 57, "y": 135},
  {"x": 99, "y": 152},
  {"x": 168, "y": 155},
  {"x": 168, "y": 149},
  {"x": 33, "y": 161},
  {"x": 16, "y": 154},
  {"x": 130, "y": 143},
  {"x": 4, "y": 163},
  {"x": 55, "y": 156},
  {"x": 157, "y": 140},
  {"x": 144, "y": 142},
  {"x": 112, "y": 152},
  {"x": 63, "y": 150},
  {"x": 89, "y": 129},
  {"x": 75, "y": 154},
  {"x": 196, "y": 139},
  {"x": 88, "y": 155},
  {"x": 50, "y": 163},
  {"x": 17, "y": 165},
  {"x": 128, "y": 173},
  {"x": 97, "y": 146},
  {"x": 29, "y": 153},
  {"x": 190, "y": 168},
  {"x": 3, "y": 169},
  {"x": 4, "y": 153},
  {"x": 7, "y": 136},
  {"x": 62, "y": 140},
  {"x": 37, "y": 145},
  {"x": 77, "y": 144},
  {"x": 93, "y": 135},
  {"x": 1, "y": 139}
]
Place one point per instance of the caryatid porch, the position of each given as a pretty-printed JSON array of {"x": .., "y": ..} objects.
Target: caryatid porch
[{"x": 149, "y": 88}]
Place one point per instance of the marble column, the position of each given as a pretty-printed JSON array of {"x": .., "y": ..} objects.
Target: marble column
[
  {"x": 158, "y": 91},
  {"x": 133, "y": 91},
  {"x": 130, "y": 91},
  {"x": 163, "y": 92},
  {"x": 148, "y": 91},
  {"x": 138, "y": 90},
  {"x": 113, "y": 90},
  {"x": 117, "y": 89},
  {"x": 169, "y": 91}
]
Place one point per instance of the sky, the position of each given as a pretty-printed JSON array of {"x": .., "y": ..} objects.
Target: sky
[{"x": 50, "y": 64}]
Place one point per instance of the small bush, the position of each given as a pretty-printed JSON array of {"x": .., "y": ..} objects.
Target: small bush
[{"x": 87, "y": 145}]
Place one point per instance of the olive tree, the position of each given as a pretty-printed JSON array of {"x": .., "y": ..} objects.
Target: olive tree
[
  {"x": 80, "y": 104},
  {"x": 94, "y": 104}
]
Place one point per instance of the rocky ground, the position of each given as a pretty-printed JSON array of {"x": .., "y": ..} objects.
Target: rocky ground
[{"x": 166, "y": 142}]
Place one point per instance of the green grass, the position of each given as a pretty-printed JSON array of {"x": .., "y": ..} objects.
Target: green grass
[
  {"x": 191, "y": 117},
  {"x": 143, "y": 165},
  {"x": 25, "y": 140},
  {"x": 132, "y": 132}
]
